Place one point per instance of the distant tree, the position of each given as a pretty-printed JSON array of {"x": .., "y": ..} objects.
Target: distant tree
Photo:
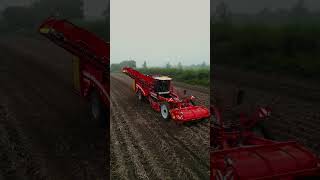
[
  {"x": 17, "y": 17},
  {"x": 299, "y": 11},
  {"x": 128, "y": 63},
  {"x": 117, "y": 67},
  {"x": 265, "y": 13},
  {"x": 168, "y": 65},
  {"x": 106, "y": 15},
  {"x": 70, "y": 9},
  {"x": 22, "y": 17},
  {"x": 144, "y": 65},
  {"x": 203, "y": 65},
  {"x": 180, "y": 66},
  {"x": 222, "y": 13},
  {"x": 106, "y": 12},
  {"x": 281, "y": 12},
  {"x": 300, "y": 7}
]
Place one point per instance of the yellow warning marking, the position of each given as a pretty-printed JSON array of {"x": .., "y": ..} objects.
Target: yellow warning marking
[{"x": 44, "y": 30}]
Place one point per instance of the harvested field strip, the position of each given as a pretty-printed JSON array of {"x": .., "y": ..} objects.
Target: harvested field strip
[{"x": 156, "y": 149}]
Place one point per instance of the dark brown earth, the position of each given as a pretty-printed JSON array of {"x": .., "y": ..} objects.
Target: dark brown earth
[
  {"x": 296, "y": 114},
  {"x": 144, "y": 146},
  {"x": 45, "y": 132}
]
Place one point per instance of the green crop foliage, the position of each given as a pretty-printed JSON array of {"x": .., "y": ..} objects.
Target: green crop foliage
[
  {"x": 196, "y": 76},
  {"x": 287, "y": 48}
]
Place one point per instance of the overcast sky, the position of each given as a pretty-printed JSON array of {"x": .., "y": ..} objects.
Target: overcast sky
[
  {"x": 160, "y": 31},
  {"x": 252, "y": 6}
]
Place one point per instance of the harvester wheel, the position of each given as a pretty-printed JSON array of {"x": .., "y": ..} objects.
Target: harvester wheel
[
  {"x": 258, "y": 130},
  {"x": 139, "y": 95},
  {"x": 164, "y": 109},
  {"x": 261, "y": 130},
  {"x": 97, "y": 111}
]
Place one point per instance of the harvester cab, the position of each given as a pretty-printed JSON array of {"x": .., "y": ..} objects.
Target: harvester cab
[{"x": 162, "y": 85}]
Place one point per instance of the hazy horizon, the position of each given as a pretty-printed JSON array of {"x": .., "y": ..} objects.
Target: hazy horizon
[
  {"x": 254, "y": 6},
  {"x": 159, "y": 32},
  {"x": 92, "y": 8}
]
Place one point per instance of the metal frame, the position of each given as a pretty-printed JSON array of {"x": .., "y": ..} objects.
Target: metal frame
[
  {"x": 243, "y": 155},
  {"x": 93, "y": 54}
]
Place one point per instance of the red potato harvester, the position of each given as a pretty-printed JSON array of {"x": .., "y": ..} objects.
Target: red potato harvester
[
  {"x": 242, "y": 154},
  {"x": 159, "y": 92},
  {"x": 90, "y": 63}
]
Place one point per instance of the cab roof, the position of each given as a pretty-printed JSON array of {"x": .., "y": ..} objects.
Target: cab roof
[{"x": 162, "y": 78}]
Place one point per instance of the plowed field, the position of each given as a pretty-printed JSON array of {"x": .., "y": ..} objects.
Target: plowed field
[
  {"x": 145, "y": 146},
  {"x": 45, "y": 132}
]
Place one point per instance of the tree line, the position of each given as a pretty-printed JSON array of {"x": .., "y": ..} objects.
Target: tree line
[
  {"x": 32, "y": 15},
  {"x": 298, "y": 13},
  {"x": 194, "y": 74},
  {"x": 267, "y": 42},
  {"x": 28, "y": 18}
]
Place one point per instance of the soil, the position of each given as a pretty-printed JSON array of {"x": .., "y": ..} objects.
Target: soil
[
  {"x": 145, "y": 146},
  {"x": 45, "y": 132}
]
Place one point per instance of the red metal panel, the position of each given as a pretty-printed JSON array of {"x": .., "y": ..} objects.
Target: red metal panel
[
  {"x": 265, "y": 161},
  {"x": 93, "y": 53},
  {"x": 243, "y": 155},
  {"x": 137, "y": 76},
  {"x": 75, "y": 40},
  {"x": 189, "y": 113}
]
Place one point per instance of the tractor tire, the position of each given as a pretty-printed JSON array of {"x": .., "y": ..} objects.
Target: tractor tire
[
  {"x": 261, "y": 130},
  {"x": 139, "y": 95},
  {"x": 164, "y": 110},
  {"x": 97, "y": 111},
  {"x": 258, "y": 131}
]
